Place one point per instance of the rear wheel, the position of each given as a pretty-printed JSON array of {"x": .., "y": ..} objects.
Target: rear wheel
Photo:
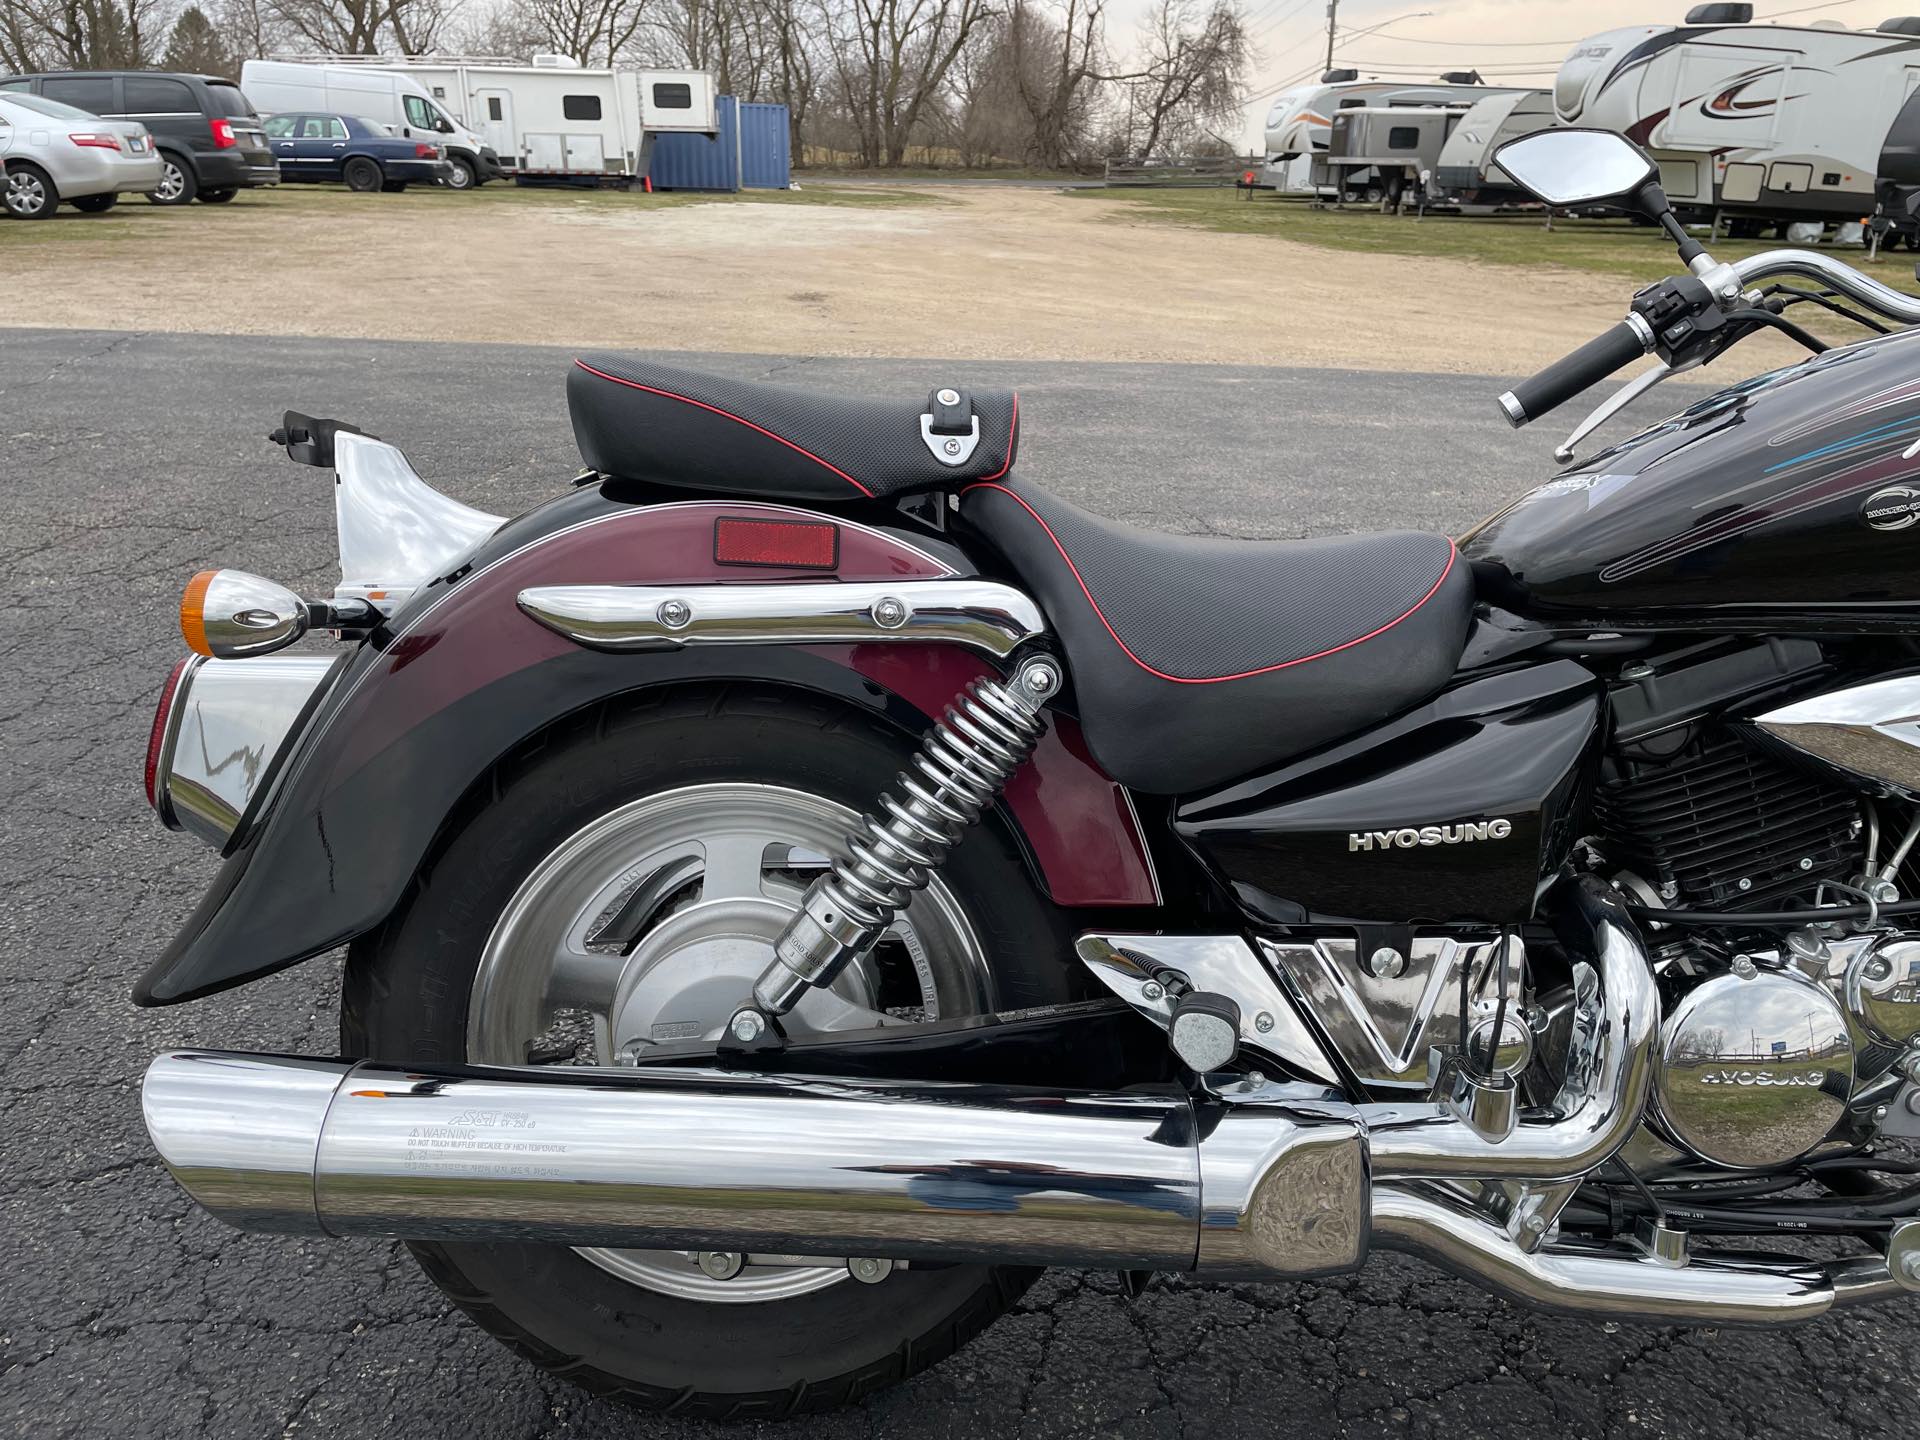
[
  {"x": 622, "y": 888},
  {"x": 364, "y": 175},
  {"x": 178, "y": 184},
  {"x": 30, "y": 192},
  {"x": 218, "y": 197},
  {"x": 95, "y": 204}
]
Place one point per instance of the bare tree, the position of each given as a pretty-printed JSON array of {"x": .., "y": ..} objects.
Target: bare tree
[
  {"x": 1191, "y": 72},
  {"x": 366, "y": 27},
  {"x": 891, "y": 59},
  {"x": 594, "y": 32},
  {"x": 1057, "y": 61},
  {"x": 78, "y": 34}
]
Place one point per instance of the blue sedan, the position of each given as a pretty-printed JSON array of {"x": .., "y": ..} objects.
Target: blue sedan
[{"x": 367, "y": 156}]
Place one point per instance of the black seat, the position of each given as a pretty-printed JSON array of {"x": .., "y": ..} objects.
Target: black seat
[
  {"x": 642, "y": 421},
  {"x": 1196, "y": 660}
]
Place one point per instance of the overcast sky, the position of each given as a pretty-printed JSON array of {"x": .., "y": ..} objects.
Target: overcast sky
[{"x": 1507, "y": 41}]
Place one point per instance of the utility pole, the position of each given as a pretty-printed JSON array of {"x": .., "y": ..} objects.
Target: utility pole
[{"x": 1333, "y": 14}]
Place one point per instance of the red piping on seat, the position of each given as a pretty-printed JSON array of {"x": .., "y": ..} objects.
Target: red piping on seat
[
  {"x": 729, "y": 415},
  {"x": 1452, "y": 554}
]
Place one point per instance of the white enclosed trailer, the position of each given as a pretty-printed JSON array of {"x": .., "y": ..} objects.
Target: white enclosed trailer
[
  {"x": 558, "y": 119},
  {"x": 1766, "y": 122}
]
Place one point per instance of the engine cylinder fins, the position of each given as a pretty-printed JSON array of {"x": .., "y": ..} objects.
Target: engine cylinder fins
[{"x": 1755, "y": 1068}]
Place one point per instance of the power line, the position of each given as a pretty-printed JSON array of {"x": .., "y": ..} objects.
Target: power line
[
  {"x": 1503, "y": 44},
  {"x": 1826, "y": 5}
]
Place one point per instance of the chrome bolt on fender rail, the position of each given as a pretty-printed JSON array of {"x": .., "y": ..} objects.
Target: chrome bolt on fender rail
[
  {"x": 979, "y": 614},
  {"x": 964, "y": 763}
]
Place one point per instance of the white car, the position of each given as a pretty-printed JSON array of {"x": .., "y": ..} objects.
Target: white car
[{"x": 52, "y": 152}]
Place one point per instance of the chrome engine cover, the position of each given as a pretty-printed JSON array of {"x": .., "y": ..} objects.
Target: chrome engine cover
[
  {"x": 1755, "y": 1068},
  {"x": 1882, "y": 989}
]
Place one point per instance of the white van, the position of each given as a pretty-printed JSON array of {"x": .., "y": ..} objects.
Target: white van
[{"x": 276, "y": 86}]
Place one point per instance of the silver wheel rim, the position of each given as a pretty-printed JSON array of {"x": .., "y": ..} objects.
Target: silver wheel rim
[
  {"x": 649, "y": 925},
  {"x": 26, "y": 193},
  {"x": 173, "y": 181},
  {"x": 461, "y": 177}
]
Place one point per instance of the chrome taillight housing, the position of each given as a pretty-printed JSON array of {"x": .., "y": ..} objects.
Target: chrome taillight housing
[{"x": 217, "y": 733}]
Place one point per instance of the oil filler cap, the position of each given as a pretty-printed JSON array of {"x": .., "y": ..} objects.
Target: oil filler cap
[{"x": 1204, "y": 1030}]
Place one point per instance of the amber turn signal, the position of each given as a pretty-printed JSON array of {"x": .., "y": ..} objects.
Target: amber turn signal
[
  {"x": 230, "y": 615},
  {"x": 193, "y": 606}
]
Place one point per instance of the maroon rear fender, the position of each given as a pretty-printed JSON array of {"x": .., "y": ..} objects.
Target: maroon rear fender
[{"x": 413, "y": 723}]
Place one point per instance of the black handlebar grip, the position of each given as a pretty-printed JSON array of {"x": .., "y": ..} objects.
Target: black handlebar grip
[{"x": 1569, "y": 375}]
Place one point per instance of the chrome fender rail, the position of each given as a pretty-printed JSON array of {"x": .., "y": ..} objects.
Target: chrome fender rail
[{"x": 978, "y": 614}]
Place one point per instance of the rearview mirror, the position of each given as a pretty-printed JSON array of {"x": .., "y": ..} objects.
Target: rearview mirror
[{"x": 1576, "y": 167}]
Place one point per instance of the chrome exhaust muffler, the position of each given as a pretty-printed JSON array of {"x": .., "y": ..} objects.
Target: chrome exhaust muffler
[
  {"x": 1257, "y": 1184},
  {"x": 683, "y": 1159}
]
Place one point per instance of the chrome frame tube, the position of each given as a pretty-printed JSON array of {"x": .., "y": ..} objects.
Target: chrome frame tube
[
  {"x": 979, "y": 614},
  {"x": 1834, "y": 273}
]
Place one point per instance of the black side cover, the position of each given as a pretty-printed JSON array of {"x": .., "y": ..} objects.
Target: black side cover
[
  {"x": 1199, "y": 660},
  {"x": 638, "y": 420}
]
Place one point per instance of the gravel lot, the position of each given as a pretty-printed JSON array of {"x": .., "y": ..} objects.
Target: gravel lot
[
  {"x": 129, "y": 461},
  {"x": 976, "y": 271}
]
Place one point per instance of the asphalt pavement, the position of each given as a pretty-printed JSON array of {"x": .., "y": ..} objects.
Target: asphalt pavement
[{"x": 127, "y": 462}]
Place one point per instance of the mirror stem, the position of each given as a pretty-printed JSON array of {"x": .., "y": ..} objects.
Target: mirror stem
[{"x": 1654, "y": 204}]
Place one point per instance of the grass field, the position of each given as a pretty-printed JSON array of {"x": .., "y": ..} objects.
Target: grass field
[
  {"x": 319, "y": 204},
  {"x": 1608, "y": 247}
]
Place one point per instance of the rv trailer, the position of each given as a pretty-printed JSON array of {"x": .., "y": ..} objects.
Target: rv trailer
[
  {"x": 1380, "y": 154},
  {"x": 1466, "y": 174},
  {"x": 558, "y": 120},
  {"x": 1762, "y": 122},
  {"x": 1896, "y": 209},
  {"x": 1299, "y": 122}
]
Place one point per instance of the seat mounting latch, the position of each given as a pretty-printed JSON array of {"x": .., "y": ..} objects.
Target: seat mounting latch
[{"x": 949, "y": 426}]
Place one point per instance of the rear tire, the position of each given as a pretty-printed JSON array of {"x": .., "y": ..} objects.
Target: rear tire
[
  {"x": 409, "y": 996},
  {"x": 364, "y": 175},
  {"x": 30, "y": 192},
  {"x": 178, "y": 184},
  {"x": 94, "y": 204},
  {"x": 218, "y": 197}
]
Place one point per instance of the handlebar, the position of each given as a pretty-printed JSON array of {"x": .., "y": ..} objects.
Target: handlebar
[
  {"x": 1632, "y": 337},
  {"x": 1568, "y": 376},
  {"x": 1835, "y": 274}
]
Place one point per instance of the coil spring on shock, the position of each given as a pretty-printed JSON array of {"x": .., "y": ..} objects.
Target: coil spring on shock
[{"x": 961, "y": 768}]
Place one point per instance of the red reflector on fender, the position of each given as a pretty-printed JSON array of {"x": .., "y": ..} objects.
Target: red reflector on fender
[
  {"x": 781, "y": 544},
  {"x": 157, "y": 736}
]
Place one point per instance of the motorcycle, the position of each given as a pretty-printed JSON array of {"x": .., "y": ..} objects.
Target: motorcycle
[{"x": 1535, "y": 904}]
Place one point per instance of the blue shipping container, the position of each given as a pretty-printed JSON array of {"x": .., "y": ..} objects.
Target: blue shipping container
[{"x": 751, "y": 150}]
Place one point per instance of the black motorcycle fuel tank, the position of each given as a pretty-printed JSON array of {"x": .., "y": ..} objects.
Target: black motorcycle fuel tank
[
  {"x": 1458, "y": 810},
  {"x": 1795, "y": 494}
]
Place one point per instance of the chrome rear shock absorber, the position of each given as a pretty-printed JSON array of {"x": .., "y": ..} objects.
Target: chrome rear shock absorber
[{"x": 963, "y": 765}]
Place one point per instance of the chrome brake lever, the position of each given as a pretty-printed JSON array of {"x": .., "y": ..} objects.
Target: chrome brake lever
[{"x": 1612, "y": 406}]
